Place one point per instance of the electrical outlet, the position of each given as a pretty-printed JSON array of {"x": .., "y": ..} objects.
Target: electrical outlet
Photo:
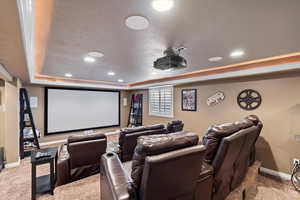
[
  {"x": 296, "y": 161},
  {"x": 297, "y": 138}
]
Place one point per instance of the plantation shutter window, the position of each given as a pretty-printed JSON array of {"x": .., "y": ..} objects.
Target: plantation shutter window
[{"x": 161, "y": 101}]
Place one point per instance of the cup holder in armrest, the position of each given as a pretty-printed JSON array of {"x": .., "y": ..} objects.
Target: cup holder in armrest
[{"x": 110, "y": 155}]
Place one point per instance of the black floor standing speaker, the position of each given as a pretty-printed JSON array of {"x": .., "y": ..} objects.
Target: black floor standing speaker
[{"x": 1, "y": 158}]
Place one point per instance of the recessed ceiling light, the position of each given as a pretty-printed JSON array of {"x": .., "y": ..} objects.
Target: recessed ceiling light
[
  {"x": 137, "y": 22},
  {"x": 68, "y": 75},
  {"x": 111, "y": 73},
  {"x": 121, "y": 80},
  {"x": 89, "y": 59},
  {"x": 162, "y": 5},
  {"x": 215, "y": 59},
  {"x": 96, "y": 54},
  {"x": 237, "y": 53}
]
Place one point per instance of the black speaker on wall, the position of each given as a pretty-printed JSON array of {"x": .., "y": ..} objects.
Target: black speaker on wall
[{"x": 1, "y": 158}]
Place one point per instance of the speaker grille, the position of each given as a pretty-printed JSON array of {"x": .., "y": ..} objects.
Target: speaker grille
[{"x": 1, "y": 158}]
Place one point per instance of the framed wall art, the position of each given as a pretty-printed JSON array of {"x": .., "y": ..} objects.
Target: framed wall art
[{"x": 189, "y": 100}]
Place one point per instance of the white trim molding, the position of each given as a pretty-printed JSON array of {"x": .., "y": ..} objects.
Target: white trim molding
[
  {"x": 4, "y": 74},
  {"x": 13, "y": 164},
  {"x": 235, "y": 74},
  {"x": 84, "y": 85},
  {"x": 281, "y": 175},
  {"x": 26, "y": 15}
]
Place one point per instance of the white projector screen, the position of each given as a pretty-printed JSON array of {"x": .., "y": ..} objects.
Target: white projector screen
[{"x": 69, "y": 110}]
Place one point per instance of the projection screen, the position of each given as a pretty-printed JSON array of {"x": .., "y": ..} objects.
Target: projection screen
[{"x": 69, "y": 110}]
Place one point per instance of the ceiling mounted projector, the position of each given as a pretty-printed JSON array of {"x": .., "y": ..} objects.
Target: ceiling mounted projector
[{"x": 171, "y": 61}]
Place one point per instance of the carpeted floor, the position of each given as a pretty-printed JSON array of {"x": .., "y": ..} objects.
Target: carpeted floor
[
  {"x": 15, "y": 184},
  {"x": 269, "y": 189}
]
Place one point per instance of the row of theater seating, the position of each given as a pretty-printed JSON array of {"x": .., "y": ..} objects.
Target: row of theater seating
[
  {"x": 80, "y": 156},
  {"x": 175, "y": 166},
  {"x": 128, "y": 136},
  {"x": 158, "y": 162}
]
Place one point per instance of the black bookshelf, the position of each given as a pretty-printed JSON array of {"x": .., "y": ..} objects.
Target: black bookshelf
[
  {"x": 27, "y": 144},
  {"x": 136, "y": 111}
]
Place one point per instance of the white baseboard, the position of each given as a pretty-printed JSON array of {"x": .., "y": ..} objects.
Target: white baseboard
[
  {"x": 12, "y": 165},
  {"x": 281, "y": 175}
]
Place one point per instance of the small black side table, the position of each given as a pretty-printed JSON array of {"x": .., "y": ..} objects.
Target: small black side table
[{"x": 43, "y": 184}]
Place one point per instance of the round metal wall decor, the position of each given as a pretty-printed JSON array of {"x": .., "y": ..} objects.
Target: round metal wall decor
[{"x": 249, "y": 99}]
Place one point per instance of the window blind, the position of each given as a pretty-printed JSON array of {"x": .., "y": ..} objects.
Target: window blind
[{"x": 161, "y": 101}]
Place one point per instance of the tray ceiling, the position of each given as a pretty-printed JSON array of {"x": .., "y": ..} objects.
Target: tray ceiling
[{"x": 207, "y": 28}]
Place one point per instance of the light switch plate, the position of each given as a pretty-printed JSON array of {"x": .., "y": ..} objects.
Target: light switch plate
[{"x": 124, "y": 101}]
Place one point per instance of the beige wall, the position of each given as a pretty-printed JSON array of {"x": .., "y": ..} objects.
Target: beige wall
[
  {"x": 125, "y": 109},
  {"x": 38, "y": 113},
  {"x": 9, "y": 120},
  {"x": 280, "y": 113},
  {"x": 2, "y": 99}
]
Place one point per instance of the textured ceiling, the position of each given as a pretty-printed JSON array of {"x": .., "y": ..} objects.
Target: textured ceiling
[
  {"x": 208, "y": 28},
  {"x": 12, "y": 54}
]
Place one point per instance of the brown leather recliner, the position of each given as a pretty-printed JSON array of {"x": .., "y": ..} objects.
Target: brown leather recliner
[
  {"x": 229, "y": 152},
  {"x": 79, "y": 158},
  {"x": 230, "y": 149},
  {"x": 128, "y": 138},
  {"x": 175, "y": 126},
  {"x": 164, "y": 167}
]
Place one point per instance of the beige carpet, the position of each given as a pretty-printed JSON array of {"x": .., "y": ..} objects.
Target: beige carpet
[
  {"x": 15, "y": 184},
  {"x": 268, "y": 189}
]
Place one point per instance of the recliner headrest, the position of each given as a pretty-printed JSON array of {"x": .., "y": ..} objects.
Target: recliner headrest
[
  {"x": 133, "y": 129},
  {"x": 175, "y": 126},
  {"x": 142, "y": 128},
  {"x": 215, "y": 133},
  {"x": 82, "y": 138},
  {"x": 244, "y": 123},
  {"x": 222, "y": 130},
  {"x": 175, "y": 122},
  {"x": 253, "y": 118},
  {"x": 158, "y": 144},
  {"x": 155, "y": 127}
]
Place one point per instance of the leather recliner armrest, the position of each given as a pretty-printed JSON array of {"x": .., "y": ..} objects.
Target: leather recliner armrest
[
  {"x": 63, "y": 168},
  {"x": 207, "y": 170},
  {"x": 204, "y": 186},
  {"x": 116, "y": 184}
]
